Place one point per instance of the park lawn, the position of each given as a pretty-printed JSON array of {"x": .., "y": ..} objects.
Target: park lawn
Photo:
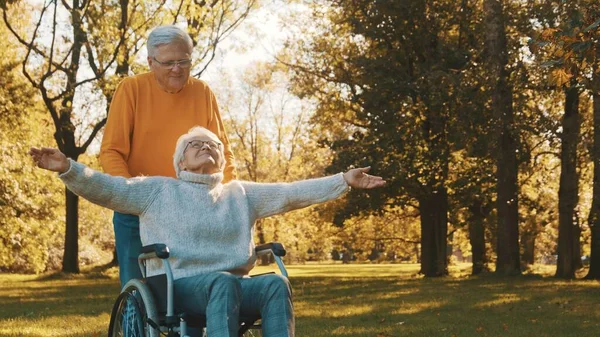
[{"x": 339, "y": 300}]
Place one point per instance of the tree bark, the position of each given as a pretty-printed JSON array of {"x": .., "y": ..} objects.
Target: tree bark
[
  {"x": 528, "y": 243},
  {"x": 71, "y": 255},
  {"x": 594, "y": 217},
  {"x": 260, "y": 234},
  {"x": 123, "y": 60},
  {"x": 434, "y": 227},
  {"x": 477, "y": 236},
  {"x": 65, "y": 137},
  {"x": 568, "y": 226},
  {"x": 508, "y": 261}
]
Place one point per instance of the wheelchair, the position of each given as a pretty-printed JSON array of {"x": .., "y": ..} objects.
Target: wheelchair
[{"x": 145, "y": 307}]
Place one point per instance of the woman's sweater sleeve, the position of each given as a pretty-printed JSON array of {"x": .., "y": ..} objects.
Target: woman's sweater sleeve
[
  {"x": 268, "y": 199},
  {"x": 125, "y": 195}
]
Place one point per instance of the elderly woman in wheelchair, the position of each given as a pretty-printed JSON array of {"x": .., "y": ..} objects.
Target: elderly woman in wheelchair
[{"x": 208, "y": 227}]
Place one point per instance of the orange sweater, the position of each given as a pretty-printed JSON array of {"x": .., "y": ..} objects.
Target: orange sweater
[{"x": 144, "y": 123}]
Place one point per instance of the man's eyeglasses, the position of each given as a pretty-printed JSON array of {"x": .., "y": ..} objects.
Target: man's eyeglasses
[
  {"x": 199, "y": 144},
  {"x": 171, "y": 64}
]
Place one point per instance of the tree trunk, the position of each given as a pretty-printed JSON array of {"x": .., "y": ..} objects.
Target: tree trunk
[
  {"x": 123, "y": 59},
  {"x": 528, "y": 244},
  {"x": 508, "y": 262},
  {"x": 434, "y": 227},
  {"x": 594, "y": 217},
  {"x": 477, "y": 236},
  {"x": 433, "y": 201},
  {"x": 65, "y": 139},
  {"x": 577, "y": 243},
  {"x": 115, "y": 259},
  {"x": 71, "y": 255},
  {"x": 568, "y": 227},
  {"x": 264, "y": 259}
]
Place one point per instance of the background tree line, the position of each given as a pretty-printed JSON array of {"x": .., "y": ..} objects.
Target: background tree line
[{"x": 483, "y": 116}]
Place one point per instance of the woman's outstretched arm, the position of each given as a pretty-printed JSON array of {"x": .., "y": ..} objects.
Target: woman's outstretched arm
[
  {"x": 50, "y": 159},
  {"x": 130, "y": 196},
  {"x": 268, "y": 199},
  {"x": 358, "y": 178}
]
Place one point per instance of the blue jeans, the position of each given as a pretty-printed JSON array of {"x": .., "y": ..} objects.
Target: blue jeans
[
  {"x": 128, "y": 244},
  {"x": 223, "y": 298}
]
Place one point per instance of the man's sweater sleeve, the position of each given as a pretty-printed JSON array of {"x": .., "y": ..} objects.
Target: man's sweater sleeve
[
  {"x": 130, "y": 196},
  {"x": 116, "y": 142},
  {"x": 274, "y": 198}
]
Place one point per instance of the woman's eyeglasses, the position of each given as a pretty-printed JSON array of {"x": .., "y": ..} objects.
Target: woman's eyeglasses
[{"x": 199, "y": 144}]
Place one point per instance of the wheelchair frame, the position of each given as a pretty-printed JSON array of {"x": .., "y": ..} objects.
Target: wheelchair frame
[{"x": 136, "y": 312}]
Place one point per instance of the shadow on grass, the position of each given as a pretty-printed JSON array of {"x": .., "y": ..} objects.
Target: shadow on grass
[
  {"x": 106, "y": 271},
  {"x": 361, "y": 305},
  {"x": 477, "y": 306},
  {"x": 58, "y": 295}
]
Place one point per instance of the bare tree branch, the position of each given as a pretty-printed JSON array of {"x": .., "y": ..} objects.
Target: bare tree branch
[
  {"x": 220, "y": 35},
  {"x": 95, "y": 131}
]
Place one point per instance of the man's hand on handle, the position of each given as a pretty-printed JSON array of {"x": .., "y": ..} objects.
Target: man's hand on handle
[
  {"x": 50, "y": 159},
  {"x": 358, "y": 178}
]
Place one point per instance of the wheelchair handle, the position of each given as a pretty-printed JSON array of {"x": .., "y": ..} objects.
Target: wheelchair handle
[
  {"x": 275, "y": 247},
  {"x": 159, "y": 250},
  {"x": 277, "y": 250}
]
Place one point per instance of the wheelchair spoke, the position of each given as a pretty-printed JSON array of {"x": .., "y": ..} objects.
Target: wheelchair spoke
[{"x": 129, "y": 317}]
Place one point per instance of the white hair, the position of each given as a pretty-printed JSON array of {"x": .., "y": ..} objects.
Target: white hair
[
  {"x": 182, "y": 142},
  {"x": 167, "y": 34}
]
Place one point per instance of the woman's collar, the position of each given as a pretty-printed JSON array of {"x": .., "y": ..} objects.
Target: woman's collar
[{"x": 208, "y": 179}]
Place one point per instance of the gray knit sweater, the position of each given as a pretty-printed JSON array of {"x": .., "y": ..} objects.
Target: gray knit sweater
[{"x": 208, "y": 226}]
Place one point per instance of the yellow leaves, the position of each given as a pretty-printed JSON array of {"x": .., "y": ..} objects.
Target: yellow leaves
[
  {"x": 568, "y": 39},
  {"x": 560, "y": 77},
  {"x": 548, "y": 33}
]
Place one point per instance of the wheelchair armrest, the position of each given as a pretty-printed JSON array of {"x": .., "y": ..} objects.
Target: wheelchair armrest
[
  {"x": 275, "y": 247},
  {"x": 159, "y": 250}
]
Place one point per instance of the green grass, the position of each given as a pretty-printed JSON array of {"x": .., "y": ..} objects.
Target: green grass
[{"x": 340, "y": 300}]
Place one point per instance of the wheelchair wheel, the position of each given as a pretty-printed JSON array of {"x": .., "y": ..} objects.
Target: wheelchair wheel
[{"x": 134, "y": 313}]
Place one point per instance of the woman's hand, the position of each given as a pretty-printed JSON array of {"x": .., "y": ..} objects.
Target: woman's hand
[
  {"x": 358, "y": 178},
  {"x": 50, "y": 159}
]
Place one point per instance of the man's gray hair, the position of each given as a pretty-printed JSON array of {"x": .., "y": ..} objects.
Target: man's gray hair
[
  {"x": 182, "y": 142},
  {"x": 162, "y": 35}
]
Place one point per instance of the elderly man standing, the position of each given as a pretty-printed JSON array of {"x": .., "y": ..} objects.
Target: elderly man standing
[{"x": 147, "y": 114}]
